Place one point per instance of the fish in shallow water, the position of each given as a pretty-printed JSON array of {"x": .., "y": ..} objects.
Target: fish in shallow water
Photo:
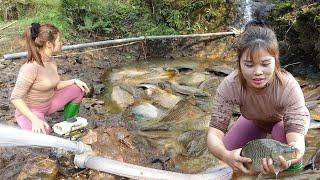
[{"x": 267, "y": 148}]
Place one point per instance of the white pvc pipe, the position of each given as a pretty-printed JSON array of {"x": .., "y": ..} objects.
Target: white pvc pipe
[
  {"x": 12, "y": 136},
  {"x": 140, "y": 172},
  {"x": 119, "y": 41}
]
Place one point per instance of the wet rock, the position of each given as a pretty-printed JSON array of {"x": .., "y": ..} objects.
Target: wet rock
[
  {"x": 78, "y": 60},
  {"x": 124, "y": 139},
  {"x": 178, "y": 69},
  {"x": 39, "y": 168},
  {"x": 315, "y": 114},
  {"x": 146, "y": 111},
  {"x": 163, "y": 98},
  {"x": 98, "y": 89},
  {"x": 7, "y": 62},
  {"x": 183, "y": 117},
  {"x": 99, "y": 65},
  {"x": 4, "y": 106},
  {"x": 312, "y": 104},
  {"x": 220, "y": 70},
  {"x": 194, "y": 79},
  {"x": 153, "y": 125},
  {"x": 197, "y": 146},
  {"x": 187, "y": 90},
  {"x": 90, "y": 138},
  {"x": 109, "y": 146},
  {"x": 9, "y": 77},
  {"x": 96, "y": 79},
  {"x": 121, "y": 97},
  {"x": 314, "y": 124},
  {"x": 315, "y": 160},
  {"x": 303, "y": 83},
  {"x": 128, "y": 73},
  {"x": 99, "y": 109},
  {"x": 100, "y": 175},
  {"x": 136, "y": 91},
  {"x": 183, "y": 110},
  {"x": 186, "y": 137},
  {"x": 312, "y": 95},
  {"x": 91, "y": 102},
  {"x": 205, "y": 104},
  {"x": 210, "y": 85},
  {"x": 61, "y": 71}
]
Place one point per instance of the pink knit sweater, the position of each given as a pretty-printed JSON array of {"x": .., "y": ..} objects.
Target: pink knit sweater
[{"x": 35, "y": 84}]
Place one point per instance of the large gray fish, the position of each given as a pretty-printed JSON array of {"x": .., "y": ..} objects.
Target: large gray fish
[
  {"x": 267, "y": 148},
  {"x": 187, "y": 90}
]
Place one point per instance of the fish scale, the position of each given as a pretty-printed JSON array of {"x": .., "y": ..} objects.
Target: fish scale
[{"x": 258, "y": 149}]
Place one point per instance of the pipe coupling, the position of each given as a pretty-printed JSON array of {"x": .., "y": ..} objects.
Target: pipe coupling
[
  {"x": 80, "y": 160},
  {"x": 83, "y": 148}
]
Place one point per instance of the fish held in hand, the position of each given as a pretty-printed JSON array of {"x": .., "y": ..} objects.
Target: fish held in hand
[{"x": 267, "y": 148}]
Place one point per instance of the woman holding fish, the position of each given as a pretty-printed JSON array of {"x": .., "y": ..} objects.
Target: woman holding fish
[{"x": 270, "y": 100}]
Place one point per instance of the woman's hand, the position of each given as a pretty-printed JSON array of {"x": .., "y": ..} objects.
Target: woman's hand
[
  {"x": 267, "y": 164},
  {"x": 39, "y": 126},
  {"x": 300, "y": 146},
  {"x": 235, "y": 161},
  {"x": 268, "y": 168},
  {"x": 82, "y": 85}
]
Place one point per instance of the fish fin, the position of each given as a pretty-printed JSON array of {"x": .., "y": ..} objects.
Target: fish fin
[{"x": 276, "y": 168}]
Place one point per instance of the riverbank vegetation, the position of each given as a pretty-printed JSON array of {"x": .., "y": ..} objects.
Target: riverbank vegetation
[
  {"x": 297, "y": 24},
  {"x": 118, "y": 18}
]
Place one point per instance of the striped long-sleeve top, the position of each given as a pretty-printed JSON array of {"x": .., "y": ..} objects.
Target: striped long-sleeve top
[{"x": 274, "y": 103}]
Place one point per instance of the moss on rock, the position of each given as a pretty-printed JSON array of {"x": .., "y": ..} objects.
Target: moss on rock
[{"x": 298, "y": 29}]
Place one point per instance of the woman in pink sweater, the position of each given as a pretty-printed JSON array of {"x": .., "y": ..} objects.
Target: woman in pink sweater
[
  {"x": 270, "y": 100},
  {"x": 38, "y": 90}
]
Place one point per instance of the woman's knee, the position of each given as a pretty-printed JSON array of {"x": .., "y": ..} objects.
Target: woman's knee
[
  {"x": 77, "y": 91},
  {"x": 278, "y": 132},
  {"x": 24, "y": 122}
]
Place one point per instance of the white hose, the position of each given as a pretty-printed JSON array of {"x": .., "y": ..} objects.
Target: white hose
[
  {"x": 119, "y": 41},
  {"x": 12, "y": 136},
  {"x": 139, "y": 172}
]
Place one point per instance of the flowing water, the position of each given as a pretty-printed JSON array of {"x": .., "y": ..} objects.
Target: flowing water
[{"x": 244, "y": 13}]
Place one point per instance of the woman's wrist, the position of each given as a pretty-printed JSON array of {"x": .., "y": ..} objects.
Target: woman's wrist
[{"x": 224, "y": 156}]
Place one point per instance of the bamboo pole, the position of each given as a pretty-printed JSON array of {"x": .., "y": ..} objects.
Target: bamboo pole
[
  {"x": 4, "y": 27},
  {"x": 126, "y": 40}
]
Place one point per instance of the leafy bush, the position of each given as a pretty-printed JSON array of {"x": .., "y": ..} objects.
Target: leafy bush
[
  {"x": 14, "y": 9},
  {"x": 122, "y": 18},
  {"x": 189, "y": 16},
  {"x": 114, "y": 18},
  {"x": 298, "y": 27},
  {"x": 28, "y": 11}
]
